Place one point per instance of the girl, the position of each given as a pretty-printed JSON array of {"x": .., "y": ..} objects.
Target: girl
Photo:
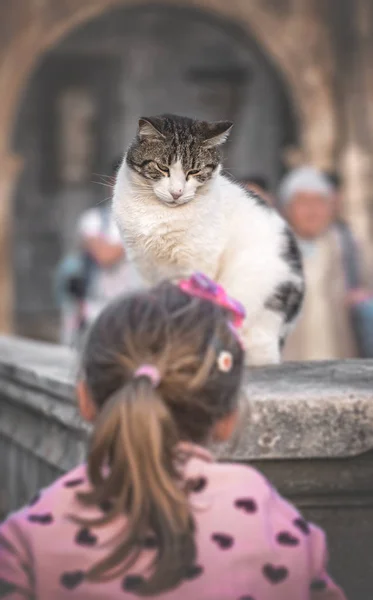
[{"x": 152, "y": 513}]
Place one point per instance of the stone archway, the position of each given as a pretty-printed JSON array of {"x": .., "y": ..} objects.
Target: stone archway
[{"x": 294, "y": 38}]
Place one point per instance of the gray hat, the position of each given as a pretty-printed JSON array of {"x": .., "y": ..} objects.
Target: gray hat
[{"x": 303, "y": 179}]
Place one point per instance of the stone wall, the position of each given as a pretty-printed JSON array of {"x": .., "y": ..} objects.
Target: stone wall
[
  {"x": 308, "y": 427},
  {"x": 41, "y": 434}
]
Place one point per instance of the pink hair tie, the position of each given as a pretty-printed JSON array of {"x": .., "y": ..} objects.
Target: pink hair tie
[{"x": 151, "y": 372}]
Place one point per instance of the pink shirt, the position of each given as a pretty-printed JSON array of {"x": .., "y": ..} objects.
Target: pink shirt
[{"x": 251, "y": 544}]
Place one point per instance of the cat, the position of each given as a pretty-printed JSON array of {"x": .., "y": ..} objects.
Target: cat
[{"x": 179, "y": 214}]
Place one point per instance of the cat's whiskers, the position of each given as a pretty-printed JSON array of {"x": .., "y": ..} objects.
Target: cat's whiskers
[
  {"x": 109, "y": 198},
  {"x": 108, "y": 185},
  {"x": 104, "y": 176}
]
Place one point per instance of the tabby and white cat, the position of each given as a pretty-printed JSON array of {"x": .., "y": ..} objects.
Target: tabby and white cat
[{"x": 179, "y": 214}]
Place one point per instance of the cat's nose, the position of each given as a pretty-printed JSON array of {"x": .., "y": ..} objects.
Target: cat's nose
[{"x": 176, "y": 195}]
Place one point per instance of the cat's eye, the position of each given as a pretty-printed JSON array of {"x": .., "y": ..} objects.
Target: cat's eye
[
  {"x": 193, "y": 172},
  {"x": 163, "y": 168}
]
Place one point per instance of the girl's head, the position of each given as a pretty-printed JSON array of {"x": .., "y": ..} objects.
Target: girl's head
[{"x": 197, "y": 361}]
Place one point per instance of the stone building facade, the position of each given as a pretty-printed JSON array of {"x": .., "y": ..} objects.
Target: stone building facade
[{"x": 75, "y": 76}]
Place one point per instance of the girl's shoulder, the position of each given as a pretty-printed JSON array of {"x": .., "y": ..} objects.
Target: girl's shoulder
[
  {"x": 50, "y": 503},
  {"x": 232, "y": 478}
]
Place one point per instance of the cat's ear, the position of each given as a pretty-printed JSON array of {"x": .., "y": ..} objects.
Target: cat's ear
[
  {"x": 149, "y": 128},
  {"x": 216, "y": 134}
]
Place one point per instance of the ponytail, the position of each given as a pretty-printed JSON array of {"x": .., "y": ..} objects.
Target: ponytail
[{"x": 136, "y": 436}]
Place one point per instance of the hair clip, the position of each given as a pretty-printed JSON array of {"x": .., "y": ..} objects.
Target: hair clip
[
  {"x": 225, "y": 361},
  {"x": 201, "y": 286},
  {"x": 150, "y": 372}
]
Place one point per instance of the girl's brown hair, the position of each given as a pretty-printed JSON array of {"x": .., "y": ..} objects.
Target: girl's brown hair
[{"x": 132, "y": 460}]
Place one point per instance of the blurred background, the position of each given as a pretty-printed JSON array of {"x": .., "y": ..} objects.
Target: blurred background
[{"x": 295, "y": 76}]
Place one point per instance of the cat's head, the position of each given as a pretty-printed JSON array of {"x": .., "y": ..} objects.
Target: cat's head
[{"x": 175, "y": 156}]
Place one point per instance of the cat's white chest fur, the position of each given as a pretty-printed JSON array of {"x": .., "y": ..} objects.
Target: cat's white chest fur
[
  {"x": 223, "y": 233},
  {"x": 166, "y": 242}
]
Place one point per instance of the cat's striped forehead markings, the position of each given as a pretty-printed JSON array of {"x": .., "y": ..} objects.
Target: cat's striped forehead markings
[
  {"x": 180, "y": 139},
  {"x": 177, "y": 168}
]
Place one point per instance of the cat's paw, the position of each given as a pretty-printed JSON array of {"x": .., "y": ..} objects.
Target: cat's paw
[
  {"x": 261, "y": 362},
  {"x": 262, "y": 356},
  {"x": 262, "y": 340}
]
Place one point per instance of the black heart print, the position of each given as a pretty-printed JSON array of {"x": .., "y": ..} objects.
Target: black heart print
[
  {"x": 71, "y": 580},
  {"x": 150, "y": 542},
  {"x": 6, "y": 588},
  {"x": 248, "y": 505},
  {"x": 275, "y": 574},
  {"x": 132, "y": 582},
  {"x": 302, "y": 525},
  {"x": 223, "y": 540},
  {"x": 106, "y": 506},
  {"x": 287, "y": 539},
  {"x": 318, "y": 585},
  {"x": 85, "y": 538},
  {"x": 74, "y": 482},
  {"x": 44, "y": 519},
  {"x": 196, "y": 485},
  {"x": 193, "y": 571}
]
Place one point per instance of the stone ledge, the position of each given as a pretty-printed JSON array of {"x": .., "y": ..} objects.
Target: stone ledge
[
  {"x": 307, "y": 410},
  {"x": 292, "y": 411}
]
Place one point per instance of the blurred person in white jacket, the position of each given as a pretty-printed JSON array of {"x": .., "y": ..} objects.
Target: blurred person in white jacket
[
  {"x": 99, "y": 272},
  {"x": 324, "y": 330}
]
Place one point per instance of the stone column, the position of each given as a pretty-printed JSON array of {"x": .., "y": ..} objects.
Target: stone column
[
  {"x": 311, "y": 72},
  {"x": 356, "y": 158},
  {"x": 26, "y": 30},
  {"x": 10, "y": 166}
]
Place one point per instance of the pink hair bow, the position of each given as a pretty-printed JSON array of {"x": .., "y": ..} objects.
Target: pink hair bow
[{"x": 203, "y": 287}]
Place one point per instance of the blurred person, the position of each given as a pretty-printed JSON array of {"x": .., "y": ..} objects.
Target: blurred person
[
  {"x": 359, "y": 296},
  {"x": 258, "y": 184},
  {"x": 351, "y": 251},
  {"x": 152, "y": 513},
  {"x": 324, "y": 329},
  {"x": 335, "y": 181},
  {"x": 97, "y": 273}
]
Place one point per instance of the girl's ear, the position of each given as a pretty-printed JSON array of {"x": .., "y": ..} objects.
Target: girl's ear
[
  {"x": 224, "y": 429},
  {"x": 86, "y": 405}
]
